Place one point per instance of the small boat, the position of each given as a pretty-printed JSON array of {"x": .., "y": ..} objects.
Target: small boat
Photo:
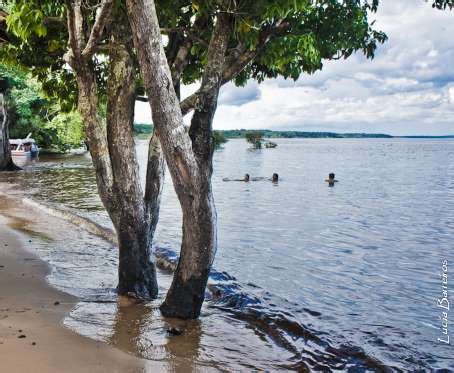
[{"x": 24, "y": 147}]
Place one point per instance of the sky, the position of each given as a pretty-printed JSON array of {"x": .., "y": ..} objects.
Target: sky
[{"x": 408, "y": 89}]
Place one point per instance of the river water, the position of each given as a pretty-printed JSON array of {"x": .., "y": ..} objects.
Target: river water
[{"x": 312, "y": 276}]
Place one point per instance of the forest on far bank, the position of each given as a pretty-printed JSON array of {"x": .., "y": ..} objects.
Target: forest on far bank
[
  {"x": 57, "y": 126},
  {"x": 30, "y": 111},
  {"x": 146, "y": 129}
]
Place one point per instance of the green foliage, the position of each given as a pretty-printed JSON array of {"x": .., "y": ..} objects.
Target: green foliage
[
  {"x": 300, "y": 33},
  {"x": 30, "y": 111},
  {"x": 65, "y": 131},
  {"x": 309, "y": 33},
  {"x": 143, "y": 131},
  {"x": 38, "y": 40},
  {"x": 286, "y": 37},
  {"x": 219, "y": 139},
  {"x": 234, "y": 134},
  {"x": 26, "y": 20},
  {"x": 255, "y": 138}
]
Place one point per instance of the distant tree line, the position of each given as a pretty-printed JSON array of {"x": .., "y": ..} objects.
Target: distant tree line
[
  {"x": 252, "y": 134},
  {"x": 145, "y": 131}
]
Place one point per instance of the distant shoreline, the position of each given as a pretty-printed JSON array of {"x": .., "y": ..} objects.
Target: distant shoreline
[
  {"x": 232, "y": 134},
  {"x": 144, "y": 130}
]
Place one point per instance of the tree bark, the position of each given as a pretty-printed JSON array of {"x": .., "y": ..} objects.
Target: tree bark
[
  {"x": 187, "y": 292},
  {"x": 188, "y": 157},
  {"x": 130, "y": 215},
  {"x": 6, "y": 162},
  {"x": 113, "y": 150}
]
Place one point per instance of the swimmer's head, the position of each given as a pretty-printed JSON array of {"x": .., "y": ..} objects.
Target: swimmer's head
[
  {"x": 246, "y": 177},
  {"x": 275, "y": 177},
  {"x": 331, "y": 176}
]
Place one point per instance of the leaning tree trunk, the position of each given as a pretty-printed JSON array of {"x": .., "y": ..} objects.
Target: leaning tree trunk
[
  {"x": 189, "y": 158},
  {"x": 199, "y": 245},
  {"x": 6, "y": 162}
]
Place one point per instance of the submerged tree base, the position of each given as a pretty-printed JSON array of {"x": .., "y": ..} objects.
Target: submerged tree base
[
  {"x": 136, "y": 270},
  {"x": 184, "y": 300},
  {"x": 140, "y": 284}
]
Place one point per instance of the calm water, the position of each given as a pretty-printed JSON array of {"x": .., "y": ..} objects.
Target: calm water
[{"x": 345, "y": 277}]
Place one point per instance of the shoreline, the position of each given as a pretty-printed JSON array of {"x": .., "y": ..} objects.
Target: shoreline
[{"x": 31, "y": 314}]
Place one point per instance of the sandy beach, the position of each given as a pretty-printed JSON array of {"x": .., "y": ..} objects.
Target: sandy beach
[{"x": 30, "y": 320}]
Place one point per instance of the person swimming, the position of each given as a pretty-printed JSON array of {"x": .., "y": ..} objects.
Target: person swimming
[
  {"x": 331, "y": 179},
  {"x": 246, "y": 179},
  {"x": 274, "y": 178}
]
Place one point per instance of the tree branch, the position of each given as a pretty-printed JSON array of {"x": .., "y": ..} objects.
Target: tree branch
[
  {"x": 240, "y": 62},
  {"x": 180, "y": 62},
  {"x": 79, "y": 26},
  {"x": 200, "y": 130},
  {"x": 73, "y": 40},
  {"x": 154, "y": 182},
  {"x": 102, "y": 18}
]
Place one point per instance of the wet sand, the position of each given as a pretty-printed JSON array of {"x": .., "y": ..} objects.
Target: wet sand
[{"x": 32, "y": 337}]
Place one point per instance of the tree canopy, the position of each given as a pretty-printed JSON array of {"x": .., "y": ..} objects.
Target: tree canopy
[
  {"x": 270, "y": 39},
  {"x": 255, "y": 138},
  {"x": 91, "y": 43}
]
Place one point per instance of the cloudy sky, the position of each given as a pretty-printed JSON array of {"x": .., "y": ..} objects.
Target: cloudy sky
[{"x": 407, "y": 89}]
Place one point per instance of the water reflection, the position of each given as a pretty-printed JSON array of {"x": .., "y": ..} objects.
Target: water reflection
[{"x": 139, "y": 329}]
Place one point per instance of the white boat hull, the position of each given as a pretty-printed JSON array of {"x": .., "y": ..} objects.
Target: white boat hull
[{"x": 20, "y": 153}]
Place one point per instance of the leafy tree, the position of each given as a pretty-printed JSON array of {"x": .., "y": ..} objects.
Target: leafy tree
[
  {"x": 86, "y": 61},
  {"x": 210, "y": 42},
  {"x": 219, "y": 139},
  {"x": 65, "y": 130},
  {"x": 255, "y": 138},
  {"x": 215, "y": 42},
  {"x": 30, "y": 111}
]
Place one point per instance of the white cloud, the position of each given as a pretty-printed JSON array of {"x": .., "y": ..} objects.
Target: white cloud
[{"x": 407, "y": 89}]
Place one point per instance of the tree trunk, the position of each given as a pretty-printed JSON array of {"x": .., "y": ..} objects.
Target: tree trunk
[
  {"x": 6, "y": 162},
  {"x": 117, "y": 174},
  {"x": 112, "y": 146},
  {"x": 199, "y": 245},
  {"x": 136, "y": 271},
  {"x": 189, "y": 158},
  {"x": 132, "y": 216},
  {"x": 113, "y": 152},
  {"x": 95, "y": 131},
  {"x": 187, "y": 292}
]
